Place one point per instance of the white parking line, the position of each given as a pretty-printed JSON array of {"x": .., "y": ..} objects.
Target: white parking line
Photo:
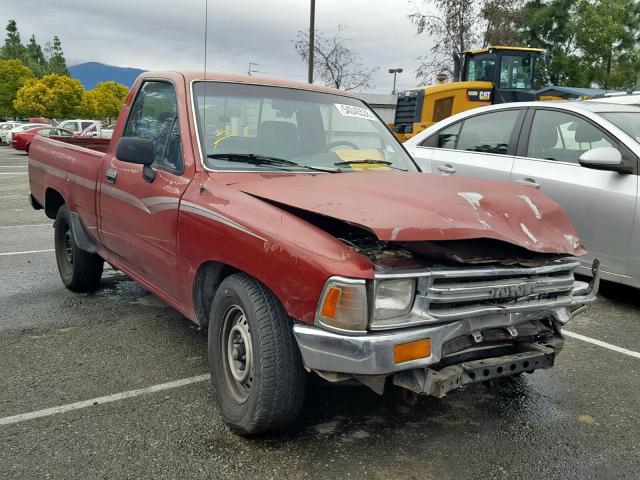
[
  {"x": 47, "y": 412},
  {"x": 14, "y": 173},
  {"x": 8, "y": 254},
  {"x": 29, "y": 225},
  {"x": 13, "y": 166},
  {"x": 602, "y": 344}
]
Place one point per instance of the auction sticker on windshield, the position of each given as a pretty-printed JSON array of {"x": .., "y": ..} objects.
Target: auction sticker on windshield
[{"x": 356, "y": 112}]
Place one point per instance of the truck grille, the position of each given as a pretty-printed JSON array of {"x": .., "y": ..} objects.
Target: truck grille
[{"x": 450, "y": 294}]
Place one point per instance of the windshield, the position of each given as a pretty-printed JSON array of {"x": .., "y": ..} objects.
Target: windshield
[
  {"x": 628, "y": 122},
  {"x": 305, "y": 129}
]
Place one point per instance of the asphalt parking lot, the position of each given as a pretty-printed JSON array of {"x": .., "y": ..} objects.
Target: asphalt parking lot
[{"x": 158, "y": 419}]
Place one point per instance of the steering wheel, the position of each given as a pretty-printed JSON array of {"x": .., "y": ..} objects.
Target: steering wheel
[{"x": 340, "y": 142}]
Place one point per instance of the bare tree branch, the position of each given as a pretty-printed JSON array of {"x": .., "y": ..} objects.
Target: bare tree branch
[{"x": 335, "y": 64}]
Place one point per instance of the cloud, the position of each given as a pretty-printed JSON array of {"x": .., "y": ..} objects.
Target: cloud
[{"x": 163, "y": 34}]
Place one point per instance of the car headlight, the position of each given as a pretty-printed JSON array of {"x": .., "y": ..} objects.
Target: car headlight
[
  {"x": 393, "y": 298},
  {"x": 343, "y": 305}
]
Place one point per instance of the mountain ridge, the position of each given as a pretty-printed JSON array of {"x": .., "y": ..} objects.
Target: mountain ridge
[{"x": 91, "y": 73}]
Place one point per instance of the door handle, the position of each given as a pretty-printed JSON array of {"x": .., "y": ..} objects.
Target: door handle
[
  {"x": 446, "y": 169},
  {"x": 529, "y": 182},
  {"x": 111, "y": 175}
]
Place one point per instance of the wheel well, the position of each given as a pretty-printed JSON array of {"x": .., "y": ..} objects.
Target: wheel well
[
  {"x": 208, "y": 278},
  {"x": 52, "y": 202}
]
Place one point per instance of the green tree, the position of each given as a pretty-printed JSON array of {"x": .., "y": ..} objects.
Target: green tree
[
  {"x": 34, "y": 58},
  {"x": 607, "y": 33},
  {"x": 12, "y": 48},
  {"x": 53, "y": 96},
  {"x": 104, "y": 101},
  {"x": 13, "y": 76},
  {"x": 54, "y": 55},
  {"x": 552, "y": 25}
]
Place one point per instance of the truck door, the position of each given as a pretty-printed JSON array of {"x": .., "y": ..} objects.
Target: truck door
[{"x": 138, "y": 218}]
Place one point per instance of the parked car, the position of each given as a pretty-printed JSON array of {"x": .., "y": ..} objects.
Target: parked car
[
  {"x": 46, "y": 121},
  {"x": 76, "y": 125},
  {"x": 582, "y": 154},
  {"x": 5, "y": 127},
  {"x": 96, "y": 130},
  {"x": 6, "y": 135},
  {"x": 291, "y": 223},
  {"x": 22, "y": 140}
]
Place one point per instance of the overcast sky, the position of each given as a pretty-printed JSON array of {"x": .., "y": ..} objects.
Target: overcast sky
[{"x": 163, "y": 34}]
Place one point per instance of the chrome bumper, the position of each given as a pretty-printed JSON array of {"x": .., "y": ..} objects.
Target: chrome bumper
[{"x": 372, "y": 352}]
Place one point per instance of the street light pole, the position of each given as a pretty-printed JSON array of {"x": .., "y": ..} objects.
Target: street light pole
[
  {"x": 312, "y": 38},
  {"x": 395, "y": 72}
]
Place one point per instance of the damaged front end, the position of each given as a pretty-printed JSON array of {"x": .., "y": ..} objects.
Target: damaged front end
[{"x": 439, "y": 315}]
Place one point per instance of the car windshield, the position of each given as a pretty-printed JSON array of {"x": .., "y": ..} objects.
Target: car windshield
[
  {"x": 628, "y": 122},
  {"x": 257, "y": 127}
]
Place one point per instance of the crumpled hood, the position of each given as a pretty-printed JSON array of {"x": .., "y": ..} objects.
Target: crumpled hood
[{"x": 402, "y": 206}]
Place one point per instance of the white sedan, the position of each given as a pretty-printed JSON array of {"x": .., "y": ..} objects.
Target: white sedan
[
  {"x": 5, "y": 135},
  {"x": 582, "y": 154}
]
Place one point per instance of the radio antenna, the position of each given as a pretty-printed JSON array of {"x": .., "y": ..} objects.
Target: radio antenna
[
  {"x": 206, "y": 31},
  {"x": 204, "y": 116}
]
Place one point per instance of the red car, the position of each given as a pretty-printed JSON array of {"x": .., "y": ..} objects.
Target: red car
[
  {"x": 22, "y": 140},
  {"x": 288, "y": 220}
]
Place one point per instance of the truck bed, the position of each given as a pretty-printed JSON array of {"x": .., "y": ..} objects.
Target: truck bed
[{"x": 92, "y": 143}]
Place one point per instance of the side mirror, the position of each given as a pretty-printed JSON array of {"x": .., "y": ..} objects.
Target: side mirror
[
  {"x": 135, "y": 150},
  {"x": 602, "y": 158}
]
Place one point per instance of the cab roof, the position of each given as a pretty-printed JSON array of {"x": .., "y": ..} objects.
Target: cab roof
[{"x": 194, "y": 76}]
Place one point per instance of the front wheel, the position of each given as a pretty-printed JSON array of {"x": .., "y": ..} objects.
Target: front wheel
[
  {"x": 80, "y": 271},
  {"x": 254, "y": 360}
]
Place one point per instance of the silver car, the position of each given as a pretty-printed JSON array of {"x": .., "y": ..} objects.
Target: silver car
[{"x": 582, "y": 154}]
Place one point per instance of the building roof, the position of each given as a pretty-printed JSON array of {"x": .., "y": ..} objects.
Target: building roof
[{"x": 570, "y": 92}]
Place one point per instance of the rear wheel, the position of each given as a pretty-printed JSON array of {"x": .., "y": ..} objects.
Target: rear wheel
[
  {"x": 80, "y": 271},
  {"x": 255, "y": 364}
]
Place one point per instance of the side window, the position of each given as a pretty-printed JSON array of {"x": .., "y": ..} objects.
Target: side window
[
  {"x": 86, "y": 125},
  {"x": 447, "y": 137},
  {"x": 45, "y": 132},
  {"x": 154, "y": 116},
  {"x": 488, "y": 133},
  {"x": 71, "y": 126},
  {"x": 564, "y": 137}
]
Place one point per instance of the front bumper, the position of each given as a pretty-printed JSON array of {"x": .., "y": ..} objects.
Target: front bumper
[{"x": 372, "y": 352}]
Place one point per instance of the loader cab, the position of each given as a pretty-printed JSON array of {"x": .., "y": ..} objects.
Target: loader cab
[
  {"x": 511, "y": 70},
  {"x": 481, "y": 77}
]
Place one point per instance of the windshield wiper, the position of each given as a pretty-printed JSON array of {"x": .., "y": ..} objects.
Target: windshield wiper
[
  {"x": 256, "y": 159},
  {"x": 386, "y": 163}
]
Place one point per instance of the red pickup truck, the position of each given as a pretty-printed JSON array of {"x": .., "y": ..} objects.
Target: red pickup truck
[{"x": 288, "y": 220}]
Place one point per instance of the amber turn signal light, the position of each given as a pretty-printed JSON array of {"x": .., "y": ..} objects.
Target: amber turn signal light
[
  {"x": 405, "y": 352},
  {"x": 331, "y": 300}
]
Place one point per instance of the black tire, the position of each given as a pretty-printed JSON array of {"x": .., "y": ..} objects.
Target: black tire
[
  {"x": 80, "y": 271},
  {"x": 271, "y": 395}
]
